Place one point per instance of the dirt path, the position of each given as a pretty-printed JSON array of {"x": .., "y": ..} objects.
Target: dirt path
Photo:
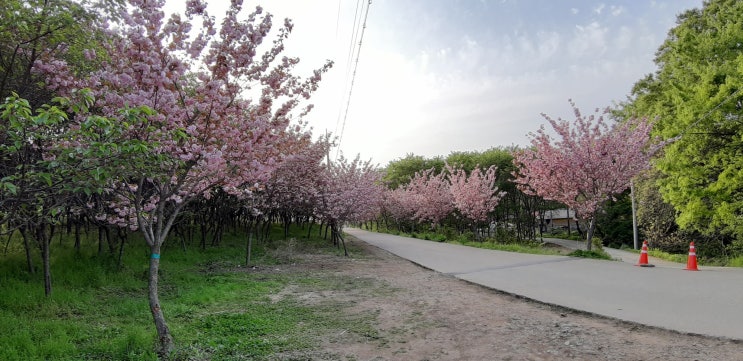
[{"x": 430, "y": 316}]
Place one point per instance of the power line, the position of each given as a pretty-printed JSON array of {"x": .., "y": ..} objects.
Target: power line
[
  {"x": 353, "y": 77},
  {"x": 351, "y": 50},
  {"x": 684, "y": 132},
  {"x": 337, "y": 19}
]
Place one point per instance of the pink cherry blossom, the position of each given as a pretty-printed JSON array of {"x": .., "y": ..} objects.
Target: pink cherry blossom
[{"x": 587, "y": 164}]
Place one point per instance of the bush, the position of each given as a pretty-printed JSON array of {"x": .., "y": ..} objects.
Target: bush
[
  {"x": 465, "y": 237},
  {"x": 595, "y": 254},
  {"x": 736, "y": 262}
]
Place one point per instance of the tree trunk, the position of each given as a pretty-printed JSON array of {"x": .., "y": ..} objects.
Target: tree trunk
[
  {"x": 100, "y": 240},
  {"x": 309, "y": 229},
  {"x": 29, "y": 259},
  {"x": 45, "y": 243},
  {"x": 336, "y": 233},
  {"x": 122, "y": 240},
  {"x": 249, "y": 246},
  {"x": 7, "y": 243},
  {"x": 589, "y": 233},
  {"x": 77, "y": 235},
  {"x": 204, "y": 231},
  {"x": 165, "y": 340}
]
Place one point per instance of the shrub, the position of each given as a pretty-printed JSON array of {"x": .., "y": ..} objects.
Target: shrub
[{"x": 595, "y": 254}]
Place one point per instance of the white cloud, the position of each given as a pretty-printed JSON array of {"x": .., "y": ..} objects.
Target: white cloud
[
  {"x": 589, "y": 40},
  {"x": 439, "y": 84},
  {"x": 625, "y": 38},
  {"x": 617, "y": 10},
  {"x": 469, "y": 54},
  {"x": 549, "y": 44}
]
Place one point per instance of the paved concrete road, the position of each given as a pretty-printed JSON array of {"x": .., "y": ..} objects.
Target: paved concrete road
[
  {"x": 616, "y": 254},
  {"x": 708, "y": 302}
]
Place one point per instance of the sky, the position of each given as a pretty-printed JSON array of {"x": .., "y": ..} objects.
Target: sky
[{"x": 438, "y": 76}]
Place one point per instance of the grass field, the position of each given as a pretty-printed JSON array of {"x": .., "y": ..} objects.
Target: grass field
[{"x": 216, "y": 307}]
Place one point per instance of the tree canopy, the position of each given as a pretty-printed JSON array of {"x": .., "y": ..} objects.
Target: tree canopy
[
  {"x": 586, "y": 164},
  {"x": 697, "y": 100}
]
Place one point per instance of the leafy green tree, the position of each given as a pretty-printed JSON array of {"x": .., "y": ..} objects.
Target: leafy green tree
[
  {"x": 657, "y": 222},
  {"x": 51, "y": 163},
  {"x": 464, "y": 160},
  {"x": 696, "y": 96},
  {"x": 614, "y": 224},
  {"x": 29, "y": 185},
  {"x": 33, "y": 30},
  {"x": 400, "y": 171}
]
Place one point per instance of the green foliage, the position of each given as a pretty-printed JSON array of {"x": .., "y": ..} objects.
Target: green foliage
[
  {"x": 696, "y": 97},
  {"x": 448, "y": 235},
  {"x": 614, "y": 224},
  {"x": 45, "y": 161},
  {"x": 515, "y": 211},
  {"x": 34, "y": 29},
  {"x": 522, "y": 247},
  {"x": 573, "y": 236},
  {"x": 430, "y": 236},
  {"x": 499, "y": 157},
  {"x": 736, "y": 262},
  {"x": 594, "y": 254},
  {"x": 673, "y": 257},
  {"x": 398, "y": 172},
  {"x": 465, "y": 237},
  {"x": 219, "y": 309}
]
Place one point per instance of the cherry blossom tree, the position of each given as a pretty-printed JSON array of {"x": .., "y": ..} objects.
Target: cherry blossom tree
[
  {"x": 398, "y": 204},
  {"x": 293, "y": 190},
  {"x": 351, "y": 192},
  {"x": 587, "y": 164},
  {"x": 431, "y": 195},
  {"x": 51, "y": 170},
  {"x": 208, "y": 130},
  {"x": 474, "y": 195}
]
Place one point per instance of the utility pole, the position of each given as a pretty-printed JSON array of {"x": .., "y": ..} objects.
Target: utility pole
[{"x": 634, "y": 213}]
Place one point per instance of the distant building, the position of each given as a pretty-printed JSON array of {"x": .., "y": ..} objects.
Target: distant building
[{"x": 560, "y": 219}]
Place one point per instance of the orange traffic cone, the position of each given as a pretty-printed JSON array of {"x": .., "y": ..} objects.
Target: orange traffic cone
[
  {"x": 691, "y": 262},
  {"x": 643, "y": 262}
]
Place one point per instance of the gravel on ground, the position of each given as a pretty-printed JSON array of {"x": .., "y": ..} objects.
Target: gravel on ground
[{"x": 431, "y": 316}]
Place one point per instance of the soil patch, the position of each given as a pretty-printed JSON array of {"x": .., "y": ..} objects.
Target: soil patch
[{"x": 422, "y": 315}]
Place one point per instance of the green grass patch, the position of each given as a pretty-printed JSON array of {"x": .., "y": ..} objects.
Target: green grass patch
[
  {"x": 467, "y": 239},
  {"x": 594, "y": 254},
  {"x": 735, "y": 261},
  {"x": 678, "y": 258},
  {"x": 510, "y": 247},
  {"x": 216, "y": 307}
]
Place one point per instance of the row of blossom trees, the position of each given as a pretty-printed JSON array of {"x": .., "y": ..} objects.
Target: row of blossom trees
[
  {"x": 588, "y": 163},
  {"x": 165, "y": 116},
  {"x": 432, "y": 196}
]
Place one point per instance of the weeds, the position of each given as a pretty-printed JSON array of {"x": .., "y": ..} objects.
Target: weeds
[
  {"x": 217, "y": 308},
  {"x": 593, "y": 254}
]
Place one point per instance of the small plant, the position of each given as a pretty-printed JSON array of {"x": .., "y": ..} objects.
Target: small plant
[
  {"x": 594, "y": 254},
  {"x": 597, "y": 243},
  {"x": 466, "y": 237},
  {"x": 736, "y": 262},
  {"x": 679, "y": 258}
]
